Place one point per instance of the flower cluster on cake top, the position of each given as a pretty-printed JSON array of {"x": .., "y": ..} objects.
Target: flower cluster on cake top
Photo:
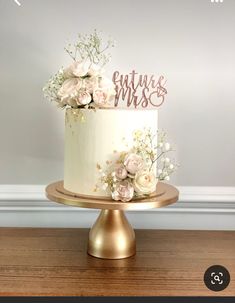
[
  {"x": 133, "y": 173},
  {"x": 83, "y": 84}
]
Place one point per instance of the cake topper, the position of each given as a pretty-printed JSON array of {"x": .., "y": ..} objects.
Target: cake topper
[{"x": 139, "y": 90}]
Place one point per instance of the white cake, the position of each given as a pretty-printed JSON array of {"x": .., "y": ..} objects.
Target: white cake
[{"x": 92, "y": 137}]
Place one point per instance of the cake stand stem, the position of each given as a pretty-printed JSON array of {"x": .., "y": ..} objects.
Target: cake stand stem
[{"x": 111, "y": 236}]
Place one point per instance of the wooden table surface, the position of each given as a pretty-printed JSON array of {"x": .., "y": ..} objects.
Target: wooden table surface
[{"x": 50, "y": 261}]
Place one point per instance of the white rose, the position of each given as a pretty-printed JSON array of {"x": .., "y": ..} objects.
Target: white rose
[
  {"x": 145, "y": 182},
  {"x": 78, "y": 69},
  {"x": 69, "y": 88},
  {"x": 83, "y": 97},
  {"x": 94, "y": 70}
]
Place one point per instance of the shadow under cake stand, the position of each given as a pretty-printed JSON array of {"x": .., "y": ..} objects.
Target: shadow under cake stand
[{"x": 112, "y": 236}]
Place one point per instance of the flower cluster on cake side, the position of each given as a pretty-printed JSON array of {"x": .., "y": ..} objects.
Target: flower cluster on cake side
[
  {"x": 83, "y": 84},
  {"x": 133, "y": 173}
]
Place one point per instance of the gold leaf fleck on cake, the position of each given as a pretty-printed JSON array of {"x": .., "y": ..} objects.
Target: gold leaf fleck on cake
[
  {"x": 115, "y": 151},
  {"x": 98, "y": 166}
]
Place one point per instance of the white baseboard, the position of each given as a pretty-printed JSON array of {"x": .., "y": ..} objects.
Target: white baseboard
[{"x": 197, "y": 208}]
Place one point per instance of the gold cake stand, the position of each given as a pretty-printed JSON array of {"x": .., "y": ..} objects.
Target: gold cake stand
[{"x": 112, "y": 236}]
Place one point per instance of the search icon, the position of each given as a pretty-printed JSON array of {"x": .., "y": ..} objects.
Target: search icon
[{"x": 217, "y": 278}]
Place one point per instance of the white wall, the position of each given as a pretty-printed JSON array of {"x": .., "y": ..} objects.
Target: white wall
[{"x": 191, "y": 42}]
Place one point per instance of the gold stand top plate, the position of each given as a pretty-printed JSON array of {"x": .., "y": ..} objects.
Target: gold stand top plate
[{"x": 165, "y": 195}]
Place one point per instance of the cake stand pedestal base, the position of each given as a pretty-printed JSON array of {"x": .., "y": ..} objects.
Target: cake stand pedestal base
[{"x": 111, "y": 236}]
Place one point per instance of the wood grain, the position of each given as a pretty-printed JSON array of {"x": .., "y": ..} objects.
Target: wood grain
[{"x": 49, "y": 261}]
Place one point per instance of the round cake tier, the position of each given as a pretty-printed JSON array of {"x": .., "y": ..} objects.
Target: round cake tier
[{"x": 93, "y": 137}]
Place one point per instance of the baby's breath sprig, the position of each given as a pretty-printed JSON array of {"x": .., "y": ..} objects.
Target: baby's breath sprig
[
  {"x": 91, "y": 47},
  {"x": 107, "y": 179},
  {"x": 152, "y": 153},
  {"x": 53, "y": 85}
]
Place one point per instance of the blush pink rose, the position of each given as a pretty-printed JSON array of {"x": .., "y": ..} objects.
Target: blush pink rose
[
  {"x": 120, "y": 172},
  {"x": 69, "y": 88},
  {"x": 90, "y": 83},
  {"x": 124, "y": 191},
  {"x": 104, "y": 92},
  {"x": 100, "y": 97},
  {"x": 83, "y": 97},
  {"x": 133, "y": 163}
]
